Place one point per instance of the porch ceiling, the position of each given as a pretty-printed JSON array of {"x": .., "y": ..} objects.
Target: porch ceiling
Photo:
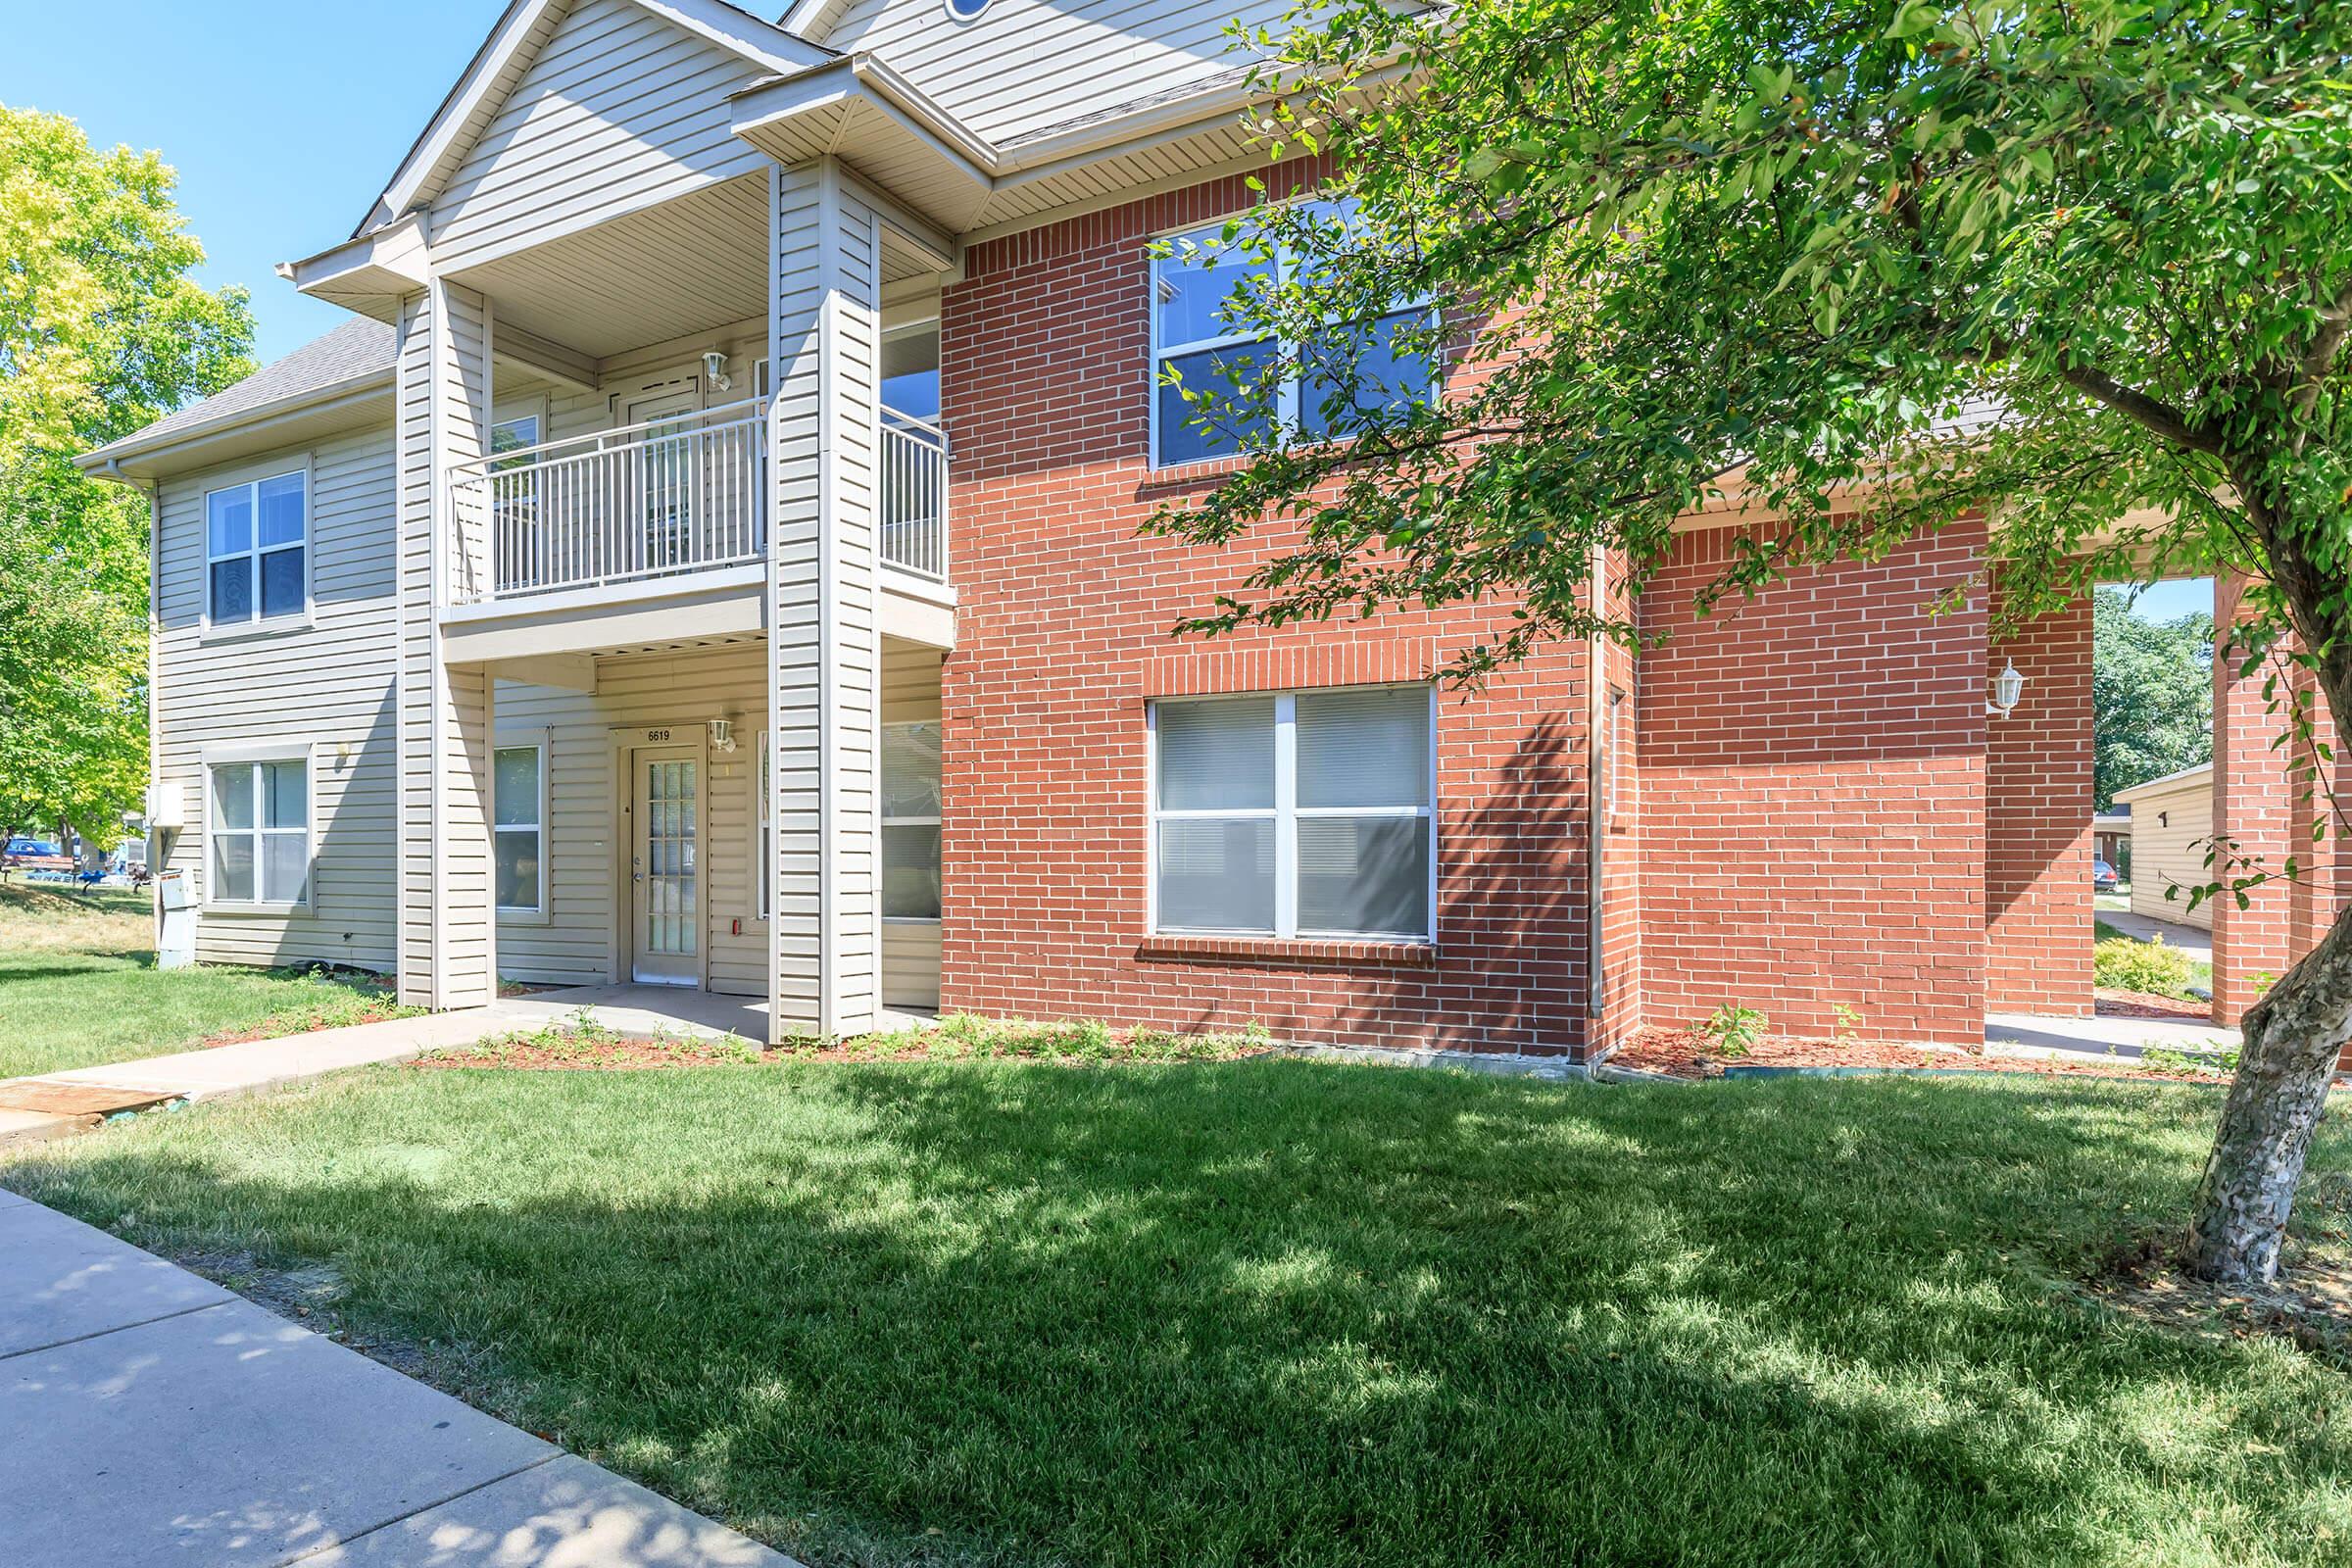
[{"x": 685, "y": 267}]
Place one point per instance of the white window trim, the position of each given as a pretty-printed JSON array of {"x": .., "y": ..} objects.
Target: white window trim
[
  {"x": 251, "y": 476},
  {"x": 514, "y": 741},
  {"x": 1286, "y": 404},
  {"x": 885, "y": 819},
  {"x": 1285, "y": 812},
  {"x": 212, "y": 757}
]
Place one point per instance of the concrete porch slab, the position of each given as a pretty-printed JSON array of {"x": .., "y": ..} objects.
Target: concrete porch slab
[{"x": 635, "y": 1009}]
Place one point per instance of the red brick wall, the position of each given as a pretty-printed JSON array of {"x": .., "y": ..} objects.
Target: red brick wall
[
  {"x": 2265, "y": 802},
  {"x": 1063, "y": 636},
  {"x": 1812, "y": 778},
  {"x": 2037, "y": 824}
]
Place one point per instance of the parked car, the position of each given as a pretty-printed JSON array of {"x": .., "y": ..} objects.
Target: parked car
[
  {"x": 2103, "y": 878},
  {"x": 36, "y": 857}
]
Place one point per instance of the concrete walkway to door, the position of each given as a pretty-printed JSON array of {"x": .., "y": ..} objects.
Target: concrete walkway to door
[{"x": 149, "y": 1416}]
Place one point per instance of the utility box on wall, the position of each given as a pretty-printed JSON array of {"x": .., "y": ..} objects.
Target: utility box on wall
[{"x": 175, "y": 920}]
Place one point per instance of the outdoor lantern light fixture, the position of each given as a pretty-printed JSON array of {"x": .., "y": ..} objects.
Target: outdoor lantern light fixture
[
  {"x": 722, "y": 734},
  {"x": 2007, "y": 687},
  {"x": 714, "y": 366}
]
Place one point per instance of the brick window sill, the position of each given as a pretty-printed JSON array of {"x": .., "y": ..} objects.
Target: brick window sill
[{"x": 1276, "y": 949}]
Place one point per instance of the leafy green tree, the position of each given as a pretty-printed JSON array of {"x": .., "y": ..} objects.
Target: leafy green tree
[
  {"x": 2151, "y": 695},
  {"x": 1874, "y": 266},
  {"x": 102, "y": 330}
]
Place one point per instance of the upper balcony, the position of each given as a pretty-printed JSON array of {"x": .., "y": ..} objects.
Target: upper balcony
[{"x": 644, "y": 502}]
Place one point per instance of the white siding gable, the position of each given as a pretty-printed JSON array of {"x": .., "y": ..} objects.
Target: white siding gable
[
  {"x": 620, "y": 110},
  {"x": 1027, "y": 65}
]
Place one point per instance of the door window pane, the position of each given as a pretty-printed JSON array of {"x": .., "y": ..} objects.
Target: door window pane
[
  {"x": 910, "y": 771},
  {"x": 1365, "y": 875},
  {"x": 1364, "y": 747},
  {"x": 1216, "y": 875},
  {"x": 1216, "y": 755}
]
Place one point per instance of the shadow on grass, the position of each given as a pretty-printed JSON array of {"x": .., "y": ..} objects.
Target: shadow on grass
[{"x": 1288, "y": 1312}]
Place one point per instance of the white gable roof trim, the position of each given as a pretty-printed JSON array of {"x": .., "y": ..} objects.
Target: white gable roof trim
[{"x": 516, "y": 40}]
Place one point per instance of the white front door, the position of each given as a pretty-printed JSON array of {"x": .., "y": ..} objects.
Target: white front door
[
  {"x": 664, "y": 866},
  {"x": 668, "y": 475}
]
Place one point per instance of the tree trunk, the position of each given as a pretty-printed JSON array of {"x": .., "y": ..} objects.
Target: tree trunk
[{"x": 2292, "y": 1038}]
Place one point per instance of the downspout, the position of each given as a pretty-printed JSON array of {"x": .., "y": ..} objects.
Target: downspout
[{"x": 1596, "y": 797}]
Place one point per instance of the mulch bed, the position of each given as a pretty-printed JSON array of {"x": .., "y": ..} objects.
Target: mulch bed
[
  {"x": 2116, "y": 1004},
  {"x": 1686, "y": 1053}
]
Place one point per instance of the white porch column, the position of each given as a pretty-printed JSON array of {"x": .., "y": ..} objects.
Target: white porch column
[
  {"x": 824, "y": 648},
  {"x": 447, "y": 934}
]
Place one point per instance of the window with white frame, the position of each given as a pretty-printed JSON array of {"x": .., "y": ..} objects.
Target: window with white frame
[
  {"x": 1297, "y": 814},
  {"x": 519, "y": 827},
  {"x": 260, "y": 832},
  {"x": 910, "y": 821},
  {"x": 1198, "y": 346},
  {"x": 254, "y": 541}
]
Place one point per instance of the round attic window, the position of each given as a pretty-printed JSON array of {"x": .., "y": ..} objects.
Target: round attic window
[{"x": 965, "y": 10}]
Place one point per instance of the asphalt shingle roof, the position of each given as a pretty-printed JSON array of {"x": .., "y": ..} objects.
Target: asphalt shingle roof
[{"x": 357, "y": 349}]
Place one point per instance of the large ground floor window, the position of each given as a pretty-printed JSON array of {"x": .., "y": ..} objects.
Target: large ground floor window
[
  {"x": 259, "y": 835},
  {"x": 1294, "y": 813}
]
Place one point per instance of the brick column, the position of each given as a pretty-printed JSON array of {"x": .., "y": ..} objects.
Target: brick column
[
  {"x": 2265, "y": 799},
  {"x": 2037, "y": 791}
]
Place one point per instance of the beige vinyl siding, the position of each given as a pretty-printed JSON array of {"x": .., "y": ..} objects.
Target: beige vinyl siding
[
  {"x": 1028, "y": 65},
  {"x": 618, "y": 112},
  {"x": 327, "y": 688},
  {"x": 2170, "y": 827},
  {"x": 588, "y": 908}
]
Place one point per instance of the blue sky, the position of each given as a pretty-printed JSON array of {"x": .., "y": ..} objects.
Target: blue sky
[
  {"x": 2169, "y": 601},
  {"x": 285, "y": 120}
]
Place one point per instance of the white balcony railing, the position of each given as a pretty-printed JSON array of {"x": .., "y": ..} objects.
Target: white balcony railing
[
  {"x": 914, "y": 495},
  {"x": 676, "y": 495}
]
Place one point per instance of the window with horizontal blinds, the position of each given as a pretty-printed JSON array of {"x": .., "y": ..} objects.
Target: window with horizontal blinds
[
  {"x": 261, "y": 832},
  {"x": 1303, "y": 813},
  {"x": 519, "y": 848},
  {"x": 910, "y": 865}
]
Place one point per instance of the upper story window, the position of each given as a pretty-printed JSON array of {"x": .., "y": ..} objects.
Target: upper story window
[
  {"x": 1198, "y": 344},
  {"x": 1297, "y": 814},
  {"x": 256, "y": 539}
]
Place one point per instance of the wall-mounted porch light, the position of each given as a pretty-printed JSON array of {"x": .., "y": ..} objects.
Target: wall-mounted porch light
[
  {"x": 2007, "y": 687},
  {"x": 722, "y": 734},
  {"x": 714, "y": 369}
]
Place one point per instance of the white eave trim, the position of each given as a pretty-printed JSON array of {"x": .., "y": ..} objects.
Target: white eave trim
[
  {"x": 390, "y": 262},
  {"x": 865, "y": 76}
]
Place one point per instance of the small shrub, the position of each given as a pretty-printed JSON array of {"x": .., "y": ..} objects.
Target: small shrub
[
  {"x": 2121, "y": 963},
  {"x": 1850, "y": 1022},
  {"x": 1734, "y": 1030}
]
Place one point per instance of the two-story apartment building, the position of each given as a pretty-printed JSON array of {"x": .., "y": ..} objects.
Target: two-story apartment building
[{"x": 709, "y": 556}]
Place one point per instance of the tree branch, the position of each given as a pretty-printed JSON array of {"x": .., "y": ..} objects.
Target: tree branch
[
  {"x": 2334, "y": 322},
  {"x": 2154, "y": 412}
]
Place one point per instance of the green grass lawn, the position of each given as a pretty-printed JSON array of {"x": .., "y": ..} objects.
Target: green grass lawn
[
  {"x": 1290, "y": 1312},
  {"x": 78, "y": 987}
]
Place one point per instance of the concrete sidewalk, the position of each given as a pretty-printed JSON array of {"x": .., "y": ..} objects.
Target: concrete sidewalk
[
  {"x": 2021, "y": 1034},
  {"x": 253, "y": 1065},
  {"x": 2189, "y": 939},
  {"x": 149, "y": 1416}
]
